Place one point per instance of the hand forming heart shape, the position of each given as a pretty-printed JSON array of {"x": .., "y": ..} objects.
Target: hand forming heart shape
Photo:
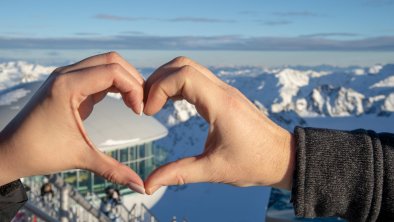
[{"x": 243, "y": 147}]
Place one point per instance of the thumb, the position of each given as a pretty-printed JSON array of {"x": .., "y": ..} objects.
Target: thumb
[
  {"x": 116, "y": 172},
  {"x": 183, "y": 171}
]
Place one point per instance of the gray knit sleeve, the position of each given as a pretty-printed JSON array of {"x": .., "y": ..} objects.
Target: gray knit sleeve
[
  {"x": 343, "y": 173},
  {"x": 12, "y": 198}
]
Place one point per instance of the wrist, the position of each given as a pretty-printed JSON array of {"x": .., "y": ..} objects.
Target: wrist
[
  {"x": 7, "y": 174},
  {"x": 4, "y": 169},
  {"x": 286, "y": 160}
]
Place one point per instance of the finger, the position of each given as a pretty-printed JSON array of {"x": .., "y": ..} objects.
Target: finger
[
  {"x": 101, "y": 95},
  {"x": 112, "y": 170},
  {"x": 176, "y": 64},
  {"x": 102, "y": 59},
  {"x": 187, "y": 83},
  {"x": 96, "y": 79},
  {"x": 184, "y": 171}
]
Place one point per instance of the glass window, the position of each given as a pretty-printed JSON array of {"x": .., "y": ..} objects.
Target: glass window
[
  {"x": 124, "y": 155},
  {"x": 141, "y": 149},
  {"x": 133, "y": 166},
  {"x": 71, "y": 178},
  {"x": 114, "y": 154},
  {"x": 141, "y": 169},
  {"x": 133, "y": 153},
  {"x": 149, "y": 149},
  {"x": 99, "y": 184},
  {"x": 85, "y": 178}
]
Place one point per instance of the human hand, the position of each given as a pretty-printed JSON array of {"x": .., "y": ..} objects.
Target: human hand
[
  {"x": 48, "y": 136},
  {"x": 243, "y": 147}
]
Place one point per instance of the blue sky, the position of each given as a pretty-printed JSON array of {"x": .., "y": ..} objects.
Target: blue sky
[{"x": 203, "y": 24}]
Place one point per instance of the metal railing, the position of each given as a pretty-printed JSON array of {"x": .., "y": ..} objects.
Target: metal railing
[
  {"x": 146, "y": 215},
  {"x": 66, "y": 204},
  {"x": 36, "y": 213}
]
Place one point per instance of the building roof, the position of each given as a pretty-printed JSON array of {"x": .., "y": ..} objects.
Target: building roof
[{"x": 111, "y": 125}]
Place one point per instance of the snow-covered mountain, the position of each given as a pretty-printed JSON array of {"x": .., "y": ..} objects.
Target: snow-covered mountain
[
  {"x": 308, "y": 91},
  {"x": 289, "y": 95},
  {"x": 16, "y": 72},
  {"x": 327, "y": 92}
]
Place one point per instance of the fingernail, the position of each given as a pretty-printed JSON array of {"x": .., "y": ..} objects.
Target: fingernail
[
  {"x": 137, "y": 188},
  {"x": 153, "y": 189},
  {"x": 141, "y": 108}
]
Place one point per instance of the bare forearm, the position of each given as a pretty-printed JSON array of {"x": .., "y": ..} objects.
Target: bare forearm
[{"x": 7, "y": 174}]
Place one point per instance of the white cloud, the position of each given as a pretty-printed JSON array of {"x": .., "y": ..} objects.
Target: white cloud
[{"x": 230, "y": 42}]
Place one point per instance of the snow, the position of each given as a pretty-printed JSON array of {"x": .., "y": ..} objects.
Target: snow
[
  {"x": 359, "y": 71},
  {"x": 322, "y": 96},
  {"x": 388, "y": 82},
  {"x": 10, "y": 97},
  {"x": 389, "y": 103},
  {"x": 183, "y": 111},
  {"x": 290, "y": 82},
  {"x": 375, "y": 69},
  {"x": 336, "y": 101},
  {"x": 148, "y": 200},
  {"x": 13, "y": 73},
  {"x": 111, "y": 142}
]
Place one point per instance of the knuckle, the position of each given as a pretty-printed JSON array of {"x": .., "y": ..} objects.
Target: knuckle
[
  {"x": 112, "y": 57},
  {"x": 231, "y": 97},
  {"x": 233, "y": 102},
  {"x": 112, "y": 174},
  {"x": 137, "y": 88},
  {"x": 230, "y": 90},
  {"x": 59, "y": 80},
  {"x": 186, "y": 71},
  {"x": 155, "y": 87},
  {"x": 180, "y": 177},
  {"x": 114, "y": 68},
  {"x": 58, "y": 70},
  {"x": 180, "y": 61}
]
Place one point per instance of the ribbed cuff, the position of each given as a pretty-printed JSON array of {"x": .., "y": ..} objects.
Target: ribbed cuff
[
  {"x": 12, "y": 198},
  {"x": 337, "y": 173}
]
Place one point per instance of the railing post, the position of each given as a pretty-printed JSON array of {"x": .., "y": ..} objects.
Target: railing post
[
  {"x": 64, "y": 204},
  {"x": 132, "y": 216},
  {"x": 31, "y": 207},
  {"x": 77, "y": 197}
]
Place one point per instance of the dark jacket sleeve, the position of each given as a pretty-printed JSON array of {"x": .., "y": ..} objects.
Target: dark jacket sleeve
[
  {"x": 12, "y": 198},
  {"x": 349, "y": 174}
]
